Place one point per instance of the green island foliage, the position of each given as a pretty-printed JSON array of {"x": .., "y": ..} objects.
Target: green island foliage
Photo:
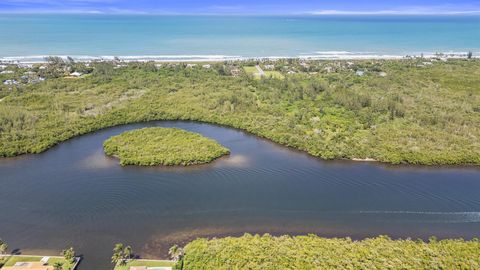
[
  {"x": 163, "y": 146},
  {"x": 416, "y": 111},
  {"x": 313, "y": 252}
]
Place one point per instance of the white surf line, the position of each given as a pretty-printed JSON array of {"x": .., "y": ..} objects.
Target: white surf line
[{"x": 318, "y": 55}]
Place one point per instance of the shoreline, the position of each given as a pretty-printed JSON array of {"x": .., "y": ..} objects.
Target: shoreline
[
  {"x": 383, "y": 164},
  {"x": 320, "y": 55},
  {"x": 411, "y": 160}
]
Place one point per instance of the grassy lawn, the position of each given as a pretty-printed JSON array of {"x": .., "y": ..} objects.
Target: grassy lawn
[
  {"x": 253, "y": 71},
  {"x": 274, "y": 74},
  {"x": 250, "y": 70},
  {"x": 14, "y": 259},
  {"x": 148, "y": 263}
]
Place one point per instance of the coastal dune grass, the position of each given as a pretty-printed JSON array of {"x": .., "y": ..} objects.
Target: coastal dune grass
[
  {"x": 163, "y": 146},
  {"x": 312, "y": 252}
]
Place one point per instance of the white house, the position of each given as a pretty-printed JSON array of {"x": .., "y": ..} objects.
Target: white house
[
  {"x": 328, "y": 69},
  {"x": 305, "y": 65},
  {"x": 10, "y": 82},
  {"x": 76, "y": 74},
  {"x": 360, "y": 73},
  {"x": 269, "y": 67}
]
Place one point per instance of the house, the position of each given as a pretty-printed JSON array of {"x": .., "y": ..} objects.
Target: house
[
  {"x": 207, "y": 66},
  {"x": 328, "y": 69},
  {"x": 10, "y": 82},
  {"x": 382, "y": 74},
  {"x": 25, "y": 66},
  {"x": 304, "y": 65},
  {"x": 76, "y": 74},
  {"x": 37, "y": 80},
  {"x": 191, "y": 65},
  {"x": 360, "y": 73},
  {"x": 7, "y": 72},
  {"x": 235, "y": 72},
  {"x": 269, "y": 67}
]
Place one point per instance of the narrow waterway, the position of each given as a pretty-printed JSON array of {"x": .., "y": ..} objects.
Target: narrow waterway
[{"x": 73, "y": 195}]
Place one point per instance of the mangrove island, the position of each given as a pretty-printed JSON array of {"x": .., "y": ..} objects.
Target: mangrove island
[{"x": 163, "y": 146}]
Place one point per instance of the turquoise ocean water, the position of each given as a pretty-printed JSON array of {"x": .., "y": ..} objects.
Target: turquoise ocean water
[{"x": 31, "y": 37}]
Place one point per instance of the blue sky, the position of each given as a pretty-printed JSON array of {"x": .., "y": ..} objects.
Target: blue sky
[{"x": 243, "y": 6}]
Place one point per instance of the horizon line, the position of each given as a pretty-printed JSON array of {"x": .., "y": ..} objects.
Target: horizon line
[{"x": 307, "y": 13}]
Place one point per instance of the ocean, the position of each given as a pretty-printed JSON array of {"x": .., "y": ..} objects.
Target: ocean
[{"x": 31, "y": 37}]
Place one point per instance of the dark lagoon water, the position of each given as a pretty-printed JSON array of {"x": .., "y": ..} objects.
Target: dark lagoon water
[{"x": 72, "y": 195}]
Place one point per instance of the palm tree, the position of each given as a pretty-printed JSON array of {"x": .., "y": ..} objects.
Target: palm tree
[
  {"x": 69, "y": 254},
  {"x": 127, "y": 252},
  {"x": 176, "y": 252},
  {"x": 121, "y": 254},
  {"x": 116, "y": 257},
  {"x": 117, "y": 253},
  {"x": 3, "y": 247},
  {"x": 58, "y": 266}
]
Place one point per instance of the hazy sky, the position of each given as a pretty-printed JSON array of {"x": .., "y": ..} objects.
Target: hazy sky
[{"x": 244, "y": 6}]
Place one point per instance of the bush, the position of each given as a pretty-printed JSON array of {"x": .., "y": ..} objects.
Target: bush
[
  {"x": 163, "y": 146},
  {"x": 313, "y": 252}
]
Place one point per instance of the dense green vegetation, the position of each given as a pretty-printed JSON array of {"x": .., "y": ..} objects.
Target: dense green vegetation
[
  {"x": 3, "y": 247},
  {"x": 121, "y": 254},
  {"x": 404, "y": 111},
  {"x": 313, "y": 252},
  {"x": 163, "y": 146}
]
